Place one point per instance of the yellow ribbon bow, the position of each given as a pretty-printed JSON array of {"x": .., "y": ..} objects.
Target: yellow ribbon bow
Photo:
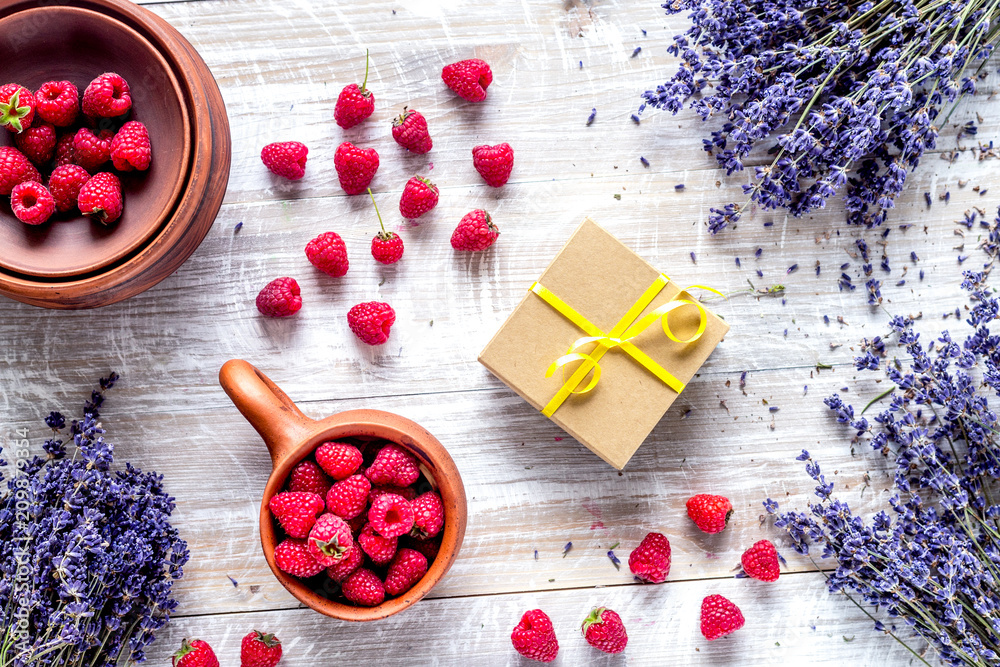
[{"x": 620, "y": 336}]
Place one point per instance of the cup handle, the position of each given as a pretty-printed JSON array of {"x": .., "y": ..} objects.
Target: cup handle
[{"x": 268, "y": 409}]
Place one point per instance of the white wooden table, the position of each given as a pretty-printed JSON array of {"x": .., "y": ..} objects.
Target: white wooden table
[{"x": 280, "y": 65}]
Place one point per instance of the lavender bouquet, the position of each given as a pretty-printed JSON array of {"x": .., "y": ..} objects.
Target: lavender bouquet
[
  {"x": 854, "y": 91},
  {"x": 87, "y": 554},
  {"x": 933, "y": 561}
]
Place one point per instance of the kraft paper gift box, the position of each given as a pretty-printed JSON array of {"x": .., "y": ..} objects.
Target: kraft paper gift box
[{"x": 589, "y": 302}]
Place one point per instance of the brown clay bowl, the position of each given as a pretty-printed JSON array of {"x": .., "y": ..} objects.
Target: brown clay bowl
[
  {"x": 202, "y": 189},
  {"x": 290, "y": 437},
  {"x": 74, "y": 44}
]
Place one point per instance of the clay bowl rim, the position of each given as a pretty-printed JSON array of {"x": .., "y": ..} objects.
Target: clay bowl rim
[
  {"x": 153, "y": 228},
  {"x": 436, "y": 464}
]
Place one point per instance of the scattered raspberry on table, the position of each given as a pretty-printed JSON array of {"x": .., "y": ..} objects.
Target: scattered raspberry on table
[
  {"x": 650, "y": 561},
  {"x": 195, "y": 653},
  {"x": 475, "y": 232},
  {"x": 494, "y": 163},
  {"x": 468, "y": 78},
  {"x": 387, "y": 247},
  {"x": 286, "y": 159},
  {"x": 355, "y": 167},
  {"x": 719, "y": 617},
  {"x": 761, "y": 561},
  {"x": 603, "y": 629},
  {"x": 710, "y": 513},
  {"x": 354, "y": 104},
  {"x": 328, "y": 253},
  {"x": 419, "y": 197},
  {"x": 409, "y": 129},
  {"x": 534, "y": 637},
  {"x": 260, "y": 649},
  {"x": 279, "y": 298},
  {"x": 371, "y": 321}
]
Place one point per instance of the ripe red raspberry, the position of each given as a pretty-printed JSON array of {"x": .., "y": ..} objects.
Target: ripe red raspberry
[
  {"x": 650, "y": 561},
  {"x": 393, "y": 465},
  {"x": 391, "y": 515},
  {"x": 379, "y": 549},
  {"x": 428, "y": 515},
  {"x": 101, "y": 198},
  {"x": 65, "y": 183},
  {"x": 761, "y": 561},
  {"x": 348, "y": 564},
  {"x": 194, "y": 653},
  {"x": 404, "y": 491},
  {"x": 710, "y": 513},
  {"x": 107, "y": 96},
  {"x": 329, "y": 540},
  {"x": 296, "y": 511},
  {"x": 32, "y": 203},
  {"x": 17, "y": 107},
  {"x": 409, "y": 129},
  {"x": 328, "y": 253},
  {"x": 130, "y": 148},
  {"x": 419, "y": 196},
  {"x": 355, "y": 167},
  {"x": 719, "y": 617},
  {"x": 279, "y": 298},
  {"x": 468, "y": 78},
  {"x": 259, "y": 649},
  {"x": 90, "y": 150},
  {"x": 407, "y": 568},
  {"x": 604, "y": 630},
  {"x": 58, "y": 102},
  {"x": 354, "y": 104},
  {"x": 38, "y": 143},
  {"x": 292, "y": 557},
  {"x": 340, "y": 460},
  {"x": 371, "y": 321},
  {"x": 15, "y": 168},
  {"x": 428, "y": 548},
  {"x": 494, "y": 163},
  {"x": 309, "y": 478},
  {"x": 64, "y": 150},
  {"x": 286, "y": 159},
  {"x": 475, "y": 232},
  {"x": 387, "y": 247},
  {"x": 348, "y": 497},
  {"x": 534, "y": 637},
  {"x": 364, "y": 588}
]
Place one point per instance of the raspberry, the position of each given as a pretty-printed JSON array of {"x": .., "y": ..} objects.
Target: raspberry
[
  {"x": 65, "y": 183},
  {"x": 534, "y": 637},
  {"x": 15, "y": 168},
  {"x": 348, "y": 564},
  {"x": 296, "y": 511},
  {"x": 90, "y": 150},
  {"x": 761, "y": 561},
  {"x": 130, "y": 148},
  {"x": 650, "y": 561},
  {"x": 329, "y": 540},
  {"x": 338, "y": 459},
  {"x": 379, "y": 549},
  {"x": 17, "y": 107},
  {"x": 58, "y": 102},
  {"x": 391, "y": 515},
  {"x": 328, "y": 253},
  {"x": 364, "y": 588},
  {"x": 404, "y": 491},
  {"x": 259, "y": 649},
  {"x": 107, "y": 96},
  {"x": 101, "y": 198},
  {"x": 279, "y": 298},
  {"x": 387, "y": 247},
  {"x": 469, "y": 78},
  {"x": 38, "y": 143},
  {"x": 428, "y": 548},
  {"x": 604, "y": 630},
  {"x": 407, "y": 568},
  {"x": 354, "y": 104},
  {"x": 409, "y": 129},
  {"x": 355, "y": 167},
  {"x": 494, "y": 163},
  {"x": 419, "y": 196},
  {"x": 32, "y": 203},
  {"x": 710, "y": 513},
  {"x": 371, "y": 321},
  {"x": 194, "y": 653},
  {"x": 428, "y": 515},
  {"x": 64, "y": 150},
  {"x": 348, "y": 497},
  {"x": 286, "y": 159},
  {"x": 719, "y": 617},
  {"x": 393, "y": 465},
  {"x": 476, "y": 231},
  {"x": 307, "y": 477},
  {"x": 292, "y": 558}
]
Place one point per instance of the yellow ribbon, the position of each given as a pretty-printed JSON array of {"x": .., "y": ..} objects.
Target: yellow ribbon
[{"x": 620, "y": 336}]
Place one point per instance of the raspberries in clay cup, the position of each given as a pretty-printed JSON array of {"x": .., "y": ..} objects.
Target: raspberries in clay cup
[
  {"x": 15, "y": 168},
  {"x": 328, "y": 253},
  {"x": 260, "y": 649},
  {"x": 371, "y": 321},
  {"x": 395, "y": 466},
  {"x": 354, "y": 104},
  {"x": 309, "y": 478},
  {"x": 329, "y": 540},
  {"x": 296, "y": 511},
  {"x": 58, "y": 102},
  {"x": 650, "y": 561},
  {"x": 38, "y": 143},
  {"x": 91, "y": 151},
  {"x": 719, "y": 617},
  {"x": 286, "y": 159},
  {"x": 710, "y": 513},
  {"x": 406, "y": 569},
  {"x": 387, "y": 247},
  {"x": 468, "y": 78},
  {"x": 32, "y": 203},
  {"x": 339, "y": 460},
  {"x": 364, "y": 588},
  {"x": 279, "y": 298},
  {"x": 101, "y": 198},
  {"x": 534, "y": 637},
  {"x": 17, "y": 107},
  {"x": 391, "y": 515},
  {"x": 409, "y": 129},
  {"x": 494, "y": 163},
  {"x": 130, "y": 148},
  {"x": 107, "y": 96},
  {"x": 604, "y": 630},
  {"x": 349, "y": 497},
  {"x": 761, "y": 561},
  {"x": 65, "y": 183},
  {"x": 355, "y": 167},
  {"x": 475, "y": 232},
  {"x": 347, "y": 565},
  {"x": 64, "y": 150},
  {"x": 379, "y": 549},
  {"x": 419, "y": 196},
  {"x": 292, "y": 557},
  {"x": 428, "y": 515}
]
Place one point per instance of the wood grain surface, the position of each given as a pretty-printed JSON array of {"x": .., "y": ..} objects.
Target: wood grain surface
[{"x": 280, "y": 66}]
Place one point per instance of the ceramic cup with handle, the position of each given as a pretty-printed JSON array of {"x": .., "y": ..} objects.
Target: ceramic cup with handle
[{"x": 290, "y": 437}]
